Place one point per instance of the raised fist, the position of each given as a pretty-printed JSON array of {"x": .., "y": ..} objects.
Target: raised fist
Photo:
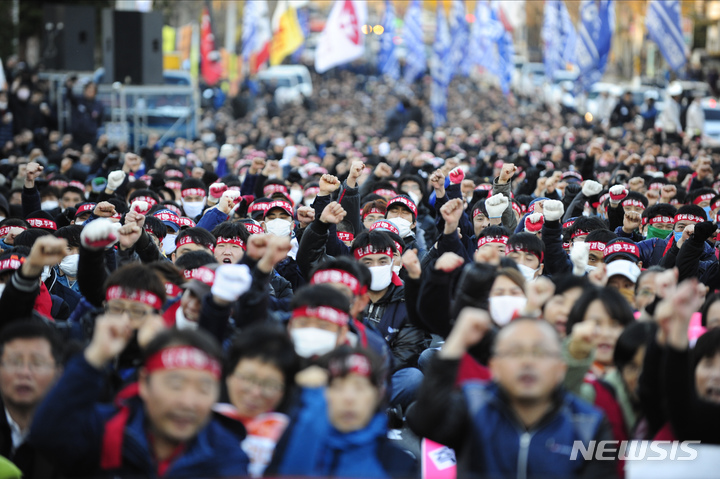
[
  {"x": 553, "y": 210},
  {"x": 99, "y": 234}
]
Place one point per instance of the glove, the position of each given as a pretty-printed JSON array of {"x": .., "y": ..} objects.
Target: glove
[
  {"x": 704, "y": 230},
  {"x": 534, "y": 223},
  {"x": 99, "y": 184},
  {"x": 233, "y": 194},
  {"x": 225, "y": 150},
  {"x": 217, "y": 190},
  {"x": 99, "y": 234},
  {"x": 457, "y": 175},
  {"x": 115, "y": 179},
  {"x": 495, "y": 205},
  {"x": 579, "y": 257},
  {"x": 140, "y": 206},
  {"x": 617, "y": 194},
  {"x": 553, "y": 210},
  {"x": 591, "y": 188},
  {"x": 231, "y": 281},
  {"x": 571, "y": 190}
]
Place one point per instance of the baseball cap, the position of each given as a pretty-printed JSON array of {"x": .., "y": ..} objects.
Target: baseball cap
[{"x": 624, "y": 268}]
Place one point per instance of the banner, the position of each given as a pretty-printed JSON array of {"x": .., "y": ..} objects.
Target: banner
[
  {"x": 387, "y": 57},
  {"x": 459, "y": 34},
  {"x": 440, "y": 69},
  {"x": 210, "y": 66},
  {"x": 287, "y": 35},
  {"x": 414, "y": 43},
  {"x": 559, "y": 37},
  {"x": 597, "y": 23},
  {"x": 256, "y": 34},
  {"x": 664, "y": 28},
  {"x": 342, "y": 40}
]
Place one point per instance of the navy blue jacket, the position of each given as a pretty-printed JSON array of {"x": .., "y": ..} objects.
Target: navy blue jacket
[{"x": 69, "y": 427}]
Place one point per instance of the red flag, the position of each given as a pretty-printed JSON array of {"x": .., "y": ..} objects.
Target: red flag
[{"x": 210, "y": 67}]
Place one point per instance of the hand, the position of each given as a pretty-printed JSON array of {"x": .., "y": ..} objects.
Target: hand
[
  {"x": 128, "y": 235},
  {"x": 705, "y": 230},
  {"x": 111, "y": 335},
  {"x": 487, "y": 256},
  {"x": 598, "y": 276},
  {"x": 687, "y": 300},
  {"x": 151, "y": 326},
  {"x": 277, "y": 250},
  {"x": 139, "y": 206},
  {"x": 328, "y": 184},
  {"x": 689, "y": 230},
  {"x": 333, "y": 213},
  {"x": 305, "y": 215},
  {"x": 256, "y": 246},
  {"x": 471, "y": 326},
  {"x": 553, "y": 210},
  {"x": 456, "y": 176},
  {"x": 32, "y": 171},
  {"x": 667, "y": 193},
  {"x": 591, "y": 188},
  {"x": 46, "y": 251},
  {"x": 452, "y": 212},
  {"x": 99, "y": 234},
  {"x": 411, "y": 262},
  {"x": 216, "y": 190},
  {"x": 136, "y": 218},
  {"x": 636, "y": 184},
  {"x": 617, "y": 194},
  {"x": 104, "y": 209},
  {"x": 666, "y": 283},
  {"x": 449, "y": 262},
  {"x": 132, "y": 163},
  {"x": 582, "y": 340},
  {"x": 115, "y": 179},
  {"x": 579, "y": 257},
  {"x": 226, "y": 150},
  {"x": 540, "y": 185},
  {"x": 437, "y": 181},
  {"x": 231, "y": 282},
  {"x": 496, "y": 205},
  {"x": 312, "y": 377},
  {"x": 383, "y": 170},
  {"x": 507, "y": 172},
  {"x": 272, "y": 167},
  {"x": 631, "y": 221},
  {"x": 551, "y": 184},
  {"x": 257, "y": 165},
  {"x": 704, "y": 171},
  {"x": 226, "y": 203},
  {"x": 534, "y": 223},
  {"x": 538, "y": 292},
  {"x": 356, "y": 170}
]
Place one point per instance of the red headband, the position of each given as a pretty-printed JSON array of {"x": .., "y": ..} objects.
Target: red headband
[
  {"x": 253, "y": 229},
  {"x": 520, "y": 249},
  {"x": 345, "y": 236},
  {"x": 42, "y": 223},
  {"x": 374, "y": 211},
  {"x": 477, "y": 211},
  {"x": 5, "y": 230},
  {"x": 118, "y": 292},
  {"x": 578, "y": 233},
  {"x": 385, "y": 225},
  {"x": 596, "y": 246},
  {"x": 148, "y": 199},
  {"x": 259, "y": 206},
  {"x": 58, "y": 183},
  {"x": 174, "y": 174},
  {"x": 182, "y": 357},
  {"x": 516, "y": 208},
  {"x": 85, "y": 208},
  {"x": 622, "y": 247},
  {"x": 268, "y": 190},
  {"x": 385, "y": 192},
  {"x": 167, "y": 217},
  {"x": 335, "y": 276},
  {"x": 182, "y": 221},
  {"x": 284, "y": 205},
  {"x": 492, "y": 239},
  {"x": 173, "y": 185},
  {"x": 360, "y": 253},
  {"x": 12, "y": 262},
  {"x": 313, "y": 190},
  {"x": 656, "y": 186},
  {"x": 715, "y": 205},
  {"x": 326, "y": 313},
  {"x": 705, "y": 197},
  {"x": 194, "y": 192},
  {"x": 403, "y": 201},
  {"x": 662, "y": 219},
  {"x": 235, "y": 241},
  {"x": 187, "y": 239},
  {"x": 353, "y": 364},
  {"x": 568, "y": 223},
  {"x": 687, "y": 217},
  {"x": 631, "y": 202},
  {"x": 172, "y": 290},
  {"x": 202, "y": 274},
  {"x": 173, "y": 208},
  {"x": 485, "y": 187}
]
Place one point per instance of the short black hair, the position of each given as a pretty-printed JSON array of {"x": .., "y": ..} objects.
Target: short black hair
[
  {"x": 32, "y": 328},
  {"x": 14, "y": 222},
  {"x": 155, "y": 226},
  {"x": 137, "y": 276},
  {"x": 346, "y": 263},
  {"x": 692, "y": 210},
  {"x": 194, "y": 259},
  {"x": 660, "y": 209},
  {"x": 615, "y": 304},
  {"x": 600, "y": 236},
  {"x": 378, "y": 239},
  {"x": 144, "y": 192},
  {"x": 529, "y": 242},
  {"x": 709, "y": 301},
  {"x": 199, "y": 236},
  {"x": 168, "y": 271},
  {"x": 27, "y": 238},
  {"x": 72, "y": 189},
  {"x": 494, "y": 231},
  {"x": 320, "y": 295},
  {"x": 634, "y": 195},
  {"x": 634, "y": 336},
  {"x": 707, "y": 346},
  {"x": 696, "y": 193},
  {"x": 480, "y": 205},
  {"x": 337, "y": 364},
  {"x": 184, "y": 337},
  {"x": 414, "y": 179},
  {"x": 588, "y": 224},
  {"x": 228, "y": 229},
  {"x": 71, "y": 234}
]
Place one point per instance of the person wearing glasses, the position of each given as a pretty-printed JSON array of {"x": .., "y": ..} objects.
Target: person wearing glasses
[
  {"x": 523, "y": 423},
  {"x": 30, "y": 364}
]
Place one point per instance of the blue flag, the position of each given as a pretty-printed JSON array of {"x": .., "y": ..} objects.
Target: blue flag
[
  {"x": 663, "y": 25},
  {"x": 459, "y": 34},
  {"x": 387, "y": 57},
  {"x": 490, "y": 46},
  {"x": 304, "y": 20},
  {"x": 594, "y": 39},
  {"x": 414, "y": 42},
  {"x": 559, "y": 37},
  {"x": 505, "y": 51},
  {"x": 440, "y": 69}
]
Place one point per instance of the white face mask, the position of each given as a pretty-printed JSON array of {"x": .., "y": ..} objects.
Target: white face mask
[
  {"x": 527, "y": 272},
  {"x": 3, "y": 105},
  {"x": 49, "y": 205},
  {"x": 45, "y": 274},
  {"x": 69, "y": 265},
  {"x": 414, "y": 196},
  {"x": 396, "y": 268},
  {"x": 503, "y": 308},
  {"x": 168, "y": 243},
  {"x": 80, "y": 223},
  {"x": 2, "y": 288},
  {"x": 381, "y": 277},
  {"x": 23, "y": 94},
  {"x": 311, "y": 342},
  {"x": 402, "y": 225},
  {"x": 279, "y": 227},
  {"x": 296, "y": 196},
  {"x": 590, "y": 269},
  {"x": 181, "y": 322},
  {"x": 309, "y": 200},
  {"x": 193, "y": 208}
]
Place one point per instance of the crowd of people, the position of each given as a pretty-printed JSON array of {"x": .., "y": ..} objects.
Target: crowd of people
[{"x": 313, "y": 290}]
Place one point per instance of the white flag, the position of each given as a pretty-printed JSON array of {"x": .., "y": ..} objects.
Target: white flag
[{"x": 342, "y": 40}]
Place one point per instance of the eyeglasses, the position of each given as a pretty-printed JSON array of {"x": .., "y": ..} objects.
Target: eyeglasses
[
  {"x": 534, "y": 353},
  {"x": 17, "y": 365},
  {"x": 134, "y": 313},
  {"x": 267, "y": 387}
]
